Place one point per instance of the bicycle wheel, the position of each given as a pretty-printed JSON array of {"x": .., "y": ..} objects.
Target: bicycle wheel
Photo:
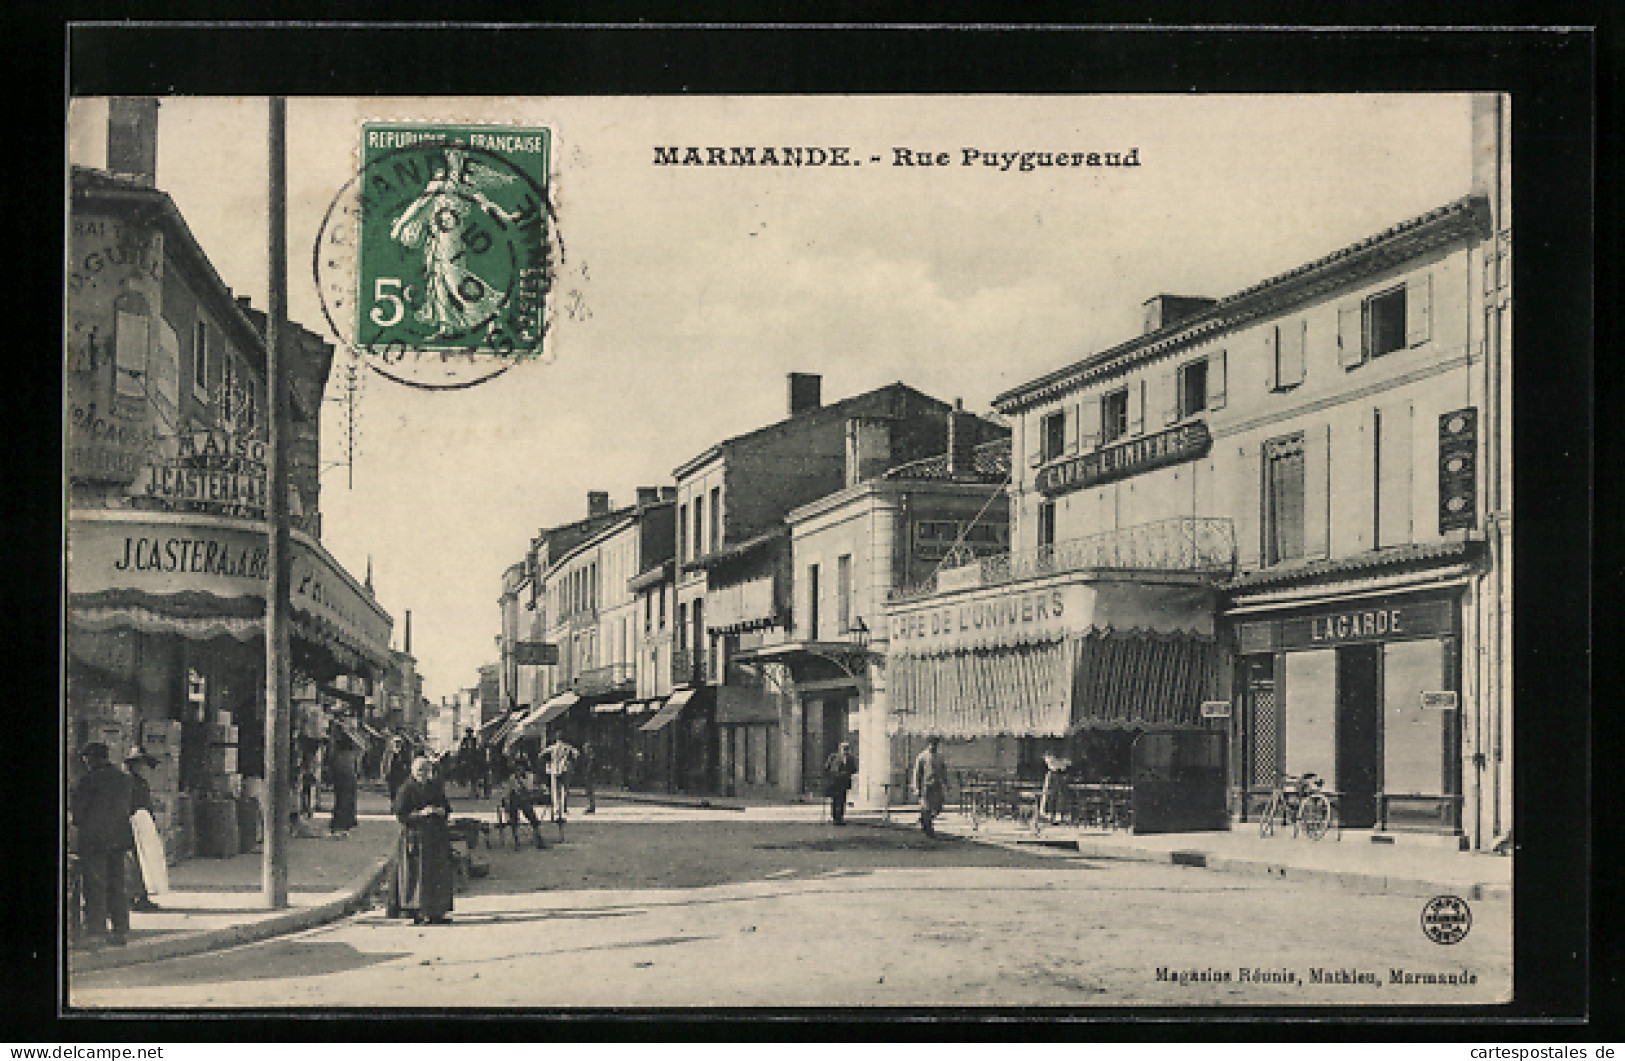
[
  {"x": 1315, "y": 814},
  {"x": 1266, "y": 824}
]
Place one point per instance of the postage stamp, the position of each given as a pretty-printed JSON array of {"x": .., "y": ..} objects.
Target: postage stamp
[{"x": 433, "y": 263}]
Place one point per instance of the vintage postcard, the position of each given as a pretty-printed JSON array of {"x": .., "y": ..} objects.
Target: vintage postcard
[{"x": 843, "y": 552}]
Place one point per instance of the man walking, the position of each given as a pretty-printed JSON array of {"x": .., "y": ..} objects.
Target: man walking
[
  {"x": 931, "y": 782},
  {"x": 101, "y": 810},
  {"x": 560, "y": 757},
  {"x": 839, "y": 768}
]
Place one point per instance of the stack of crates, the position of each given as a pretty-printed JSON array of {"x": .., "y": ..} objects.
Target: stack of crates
[{"x": 224, "y": 777}]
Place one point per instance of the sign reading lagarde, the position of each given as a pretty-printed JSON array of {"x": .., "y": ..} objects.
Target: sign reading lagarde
[
  {"x": 1177, "y": 444},
  {"x": 163, "y": 556}
]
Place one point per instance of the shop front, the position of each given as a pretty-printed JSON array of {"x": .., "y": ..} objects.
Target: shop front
[
  {"x": 1363, "y": 691},
  {"x": 166, "y": 652},
  {"x": 1073, "y": 667},
  {"x": 674, "y": 747}
]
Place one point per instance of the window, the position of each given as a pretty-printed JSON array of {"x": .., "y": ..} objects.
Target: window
[
  {"x": 1113, "y": 416},
  {"x": 661, "y": 613},
  {"x": 682, "y": 626},
  {"x": 812, "y": 602},
  {"x": 1287, "y": 346},
  {"x": 1192, "y": 388},
  {"x": 699, "y": 526},
  {"x": 1046, "y": 524},
  {"x": 682, "y": 533},
  {"x": 1054, "y": 435},
  {"x": 1283, "y": 499},
  {"x": 1384, "y": 323},
  {"x": 843, "y": 594},
  {"x": 716, "y": 518},
  {"x": 200, "y": 359},
  {"x": 228, "y": 388}
]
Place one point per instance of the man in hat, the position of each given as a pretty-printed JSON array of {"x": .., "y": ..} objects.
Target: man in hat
[
  {"x": 100, "y": 805},
  {"x": 930, "y": 779},
  {"x": 136, "y": 764},
  {"x": 838, "y": 769}
]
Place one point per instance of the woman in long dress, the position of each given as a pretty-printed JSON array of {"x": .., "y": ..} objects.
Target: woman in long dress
[{"x": 422, "y": 882}]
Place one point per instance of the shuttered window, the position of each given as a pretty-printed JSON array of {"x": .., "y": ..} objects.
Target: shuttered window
[
  {"x": 1113, "y": 416},
  {"x": 1288, "y": 343},
  {"x": 1192, "y": 388},
  {"x": 1054, "y": 434},
  {"x": 1283, "y": 499},
  {"x": 1384, "y": 323}
]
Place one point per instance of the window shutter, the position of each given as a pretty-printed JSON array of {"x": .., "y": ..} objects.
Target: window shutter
[
  {"x": 1350, "y": 344},
  {"x": 1136, "y": 407},
  {"x": 1418, "y": 309},
  {"x": 1089, "y": 424},
  {"x": 1317, "y": 452},
  {"x": 1033, "y": 425},
  {"x": 1272, "y": 356},
  {"x": 1170, "y": 397},
  {"x": 1248, "y": 490},
  {"x": 1073, "y": 414},
  {"x": 1216, "y": 380},
  {"x": 1294, "y": 343}
]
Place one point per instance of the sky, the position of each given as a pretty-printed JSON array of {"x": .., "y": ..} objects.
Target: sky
[{"x": 699, "y": 288}]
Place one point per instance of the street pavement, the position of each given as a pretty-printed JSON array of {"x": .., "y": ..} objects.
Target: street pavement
[{"x": 673, "y": 905}]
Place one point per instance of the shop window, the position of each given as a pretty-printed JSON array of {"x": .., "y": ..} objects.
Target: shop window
[
  {"x": 1192, "y": 388},
  {"x": 1113, "y": 416},
  {"x": 1283, "y": 499}
]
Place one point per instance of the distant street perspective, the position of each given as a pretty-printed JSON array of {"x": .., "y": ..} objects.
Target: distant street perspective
[{"x": 648, "y": 906}]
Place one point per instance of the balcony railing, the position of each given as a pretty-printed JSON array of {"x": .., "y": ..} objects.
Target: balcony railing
[
  {"x": 1183, "y": 545},
  {"x": 614, "y": 678}
]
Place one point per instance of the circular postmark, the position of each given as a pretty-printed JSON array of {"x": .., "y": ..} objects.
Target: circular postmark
[
  {"x": 434, "y": 262},
  {"x": 1446, "y": 919}
]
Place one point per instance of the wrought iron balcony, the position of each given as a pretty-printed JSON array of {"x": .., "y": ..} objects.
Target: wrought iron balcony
[
  {"x": 1183, "y": 545},
  {"x": 600, "y": 681}
]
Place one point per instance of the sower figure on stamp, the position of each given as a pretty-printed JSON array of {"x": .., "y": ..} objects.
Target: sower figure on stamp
[
  {"x": 838, "y": 771},
  {"x": 930, "y": 780},
  {"x": 101, "y": 810}
]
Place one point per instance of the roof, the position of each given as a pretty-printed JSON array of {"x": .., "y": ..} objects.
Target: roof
[
  {"x": 835, "y": 411},
  {"x": 1385, "y": 560},
  {"x": 1464, "y": 217},
  {"x": 990, "y": 463}
]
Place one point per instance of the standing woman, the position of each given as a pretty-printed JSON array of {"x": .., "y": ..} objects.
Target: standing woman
[
  {"x": 423, "y": 870},
  {"x": 346, "y": 771}
]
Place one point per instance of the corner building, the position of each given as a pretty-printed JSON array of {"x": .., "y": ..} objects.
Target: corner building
[{"x": 1318, "y": 447}]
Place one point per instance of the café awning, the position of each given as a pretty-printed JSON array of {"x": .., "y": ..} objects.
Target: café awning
[
  {"x": 668, "y": 714},
  {"x": 532, "y": 724}
]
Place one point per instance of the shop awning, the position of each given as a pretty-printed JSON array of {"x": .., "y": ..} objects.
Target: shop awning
[
  {"x": 531, "y": 724},
  {"x": 668, "y": 714}
]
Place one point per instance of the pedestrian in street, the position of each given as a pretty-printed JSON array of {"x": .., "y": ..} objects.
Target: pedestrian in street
[
  {"x": 400, "y": 767},
  {"x": 518, "y": 797},
  {"x": 310, "y": 750},
  {"x": 136, "y": 765},
  {"x": 345, "y": 767},
  {"x": 423, "y": 878},
  {"x": 468, "y": 760},
  {"x": 930, "y": 780},
  {"x": 584, "y": 767},
  {"x": 838, "y": 771},
  {"x": 100, "y": 805},
  {"x": 560, "y": 758}
]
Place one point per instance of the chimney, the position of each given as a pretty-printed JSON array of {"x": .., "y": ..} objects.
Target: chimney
[
  {"x": 1488, "y": 175},
  {"x": 648, "y": 495},
  {"x": 961, "y": 440},
  {"x": 804, "y": 392},
  {"x": 132, "y": 137},
  {"x": 1163, "y": 310},
  {"x": 868, "y": 448},
  {"x": 407, "y": 648},
  {"x": 668, "y": 493},
  {"x": 597, "y": 503}
]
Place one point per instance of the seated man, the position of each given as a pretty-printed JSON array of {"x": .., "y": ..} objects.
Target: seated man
[{"x": 517, "y": 798}]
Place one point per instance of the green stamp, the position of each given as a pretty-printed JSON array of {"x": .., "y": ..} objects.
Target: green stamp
[{"x": 445, "y": 279}]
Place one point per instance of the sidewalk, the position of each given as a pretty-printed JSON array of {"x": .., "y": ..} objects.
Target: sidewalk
[
  {"x": 1408, "y": 864},
  {"x": 217, "y": 902}
]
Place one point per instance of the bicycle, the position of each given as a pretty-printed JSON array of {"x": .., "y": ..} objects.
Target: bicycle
[{"x": 1304, "y": 803}]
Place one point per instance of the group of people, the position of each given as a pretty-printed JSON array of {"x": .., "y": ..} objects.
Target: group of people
[
  {"x": 106, "y": 806},
  {"x": 929, "y": 780}
]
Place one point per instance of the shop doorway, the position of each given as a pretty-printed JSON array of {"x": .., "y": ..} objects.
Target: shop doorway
[
  {"x": 1358, "y": 720},
  {"x": 826, "y": 721}
]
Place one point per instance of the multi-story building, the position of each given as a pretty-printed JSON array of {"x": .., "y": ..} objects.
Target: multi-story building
[
  {"x": 851, "y": 550},
  {"x": 1274, "y": 502},
  {"x": 733, "y": 585},
  {"x": 167, "y": 483}
]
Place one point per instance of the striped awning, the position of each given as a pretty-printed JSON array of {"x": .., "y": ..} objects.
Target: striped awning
[
  {"x": 532, "y": 723},
  {"x": 668, "y": 714},
  {"x": 1103, "y": 679}
]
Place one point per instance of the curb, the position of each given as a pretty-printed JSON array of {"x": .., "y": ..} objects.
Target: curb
[
  {"x": 356, "y": 897},
  {"x": 1365, "y": 883}
]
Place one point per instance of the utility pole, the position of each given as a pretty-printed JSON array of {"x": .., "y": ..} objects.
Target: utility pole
[{"x": 274, "y": 871}]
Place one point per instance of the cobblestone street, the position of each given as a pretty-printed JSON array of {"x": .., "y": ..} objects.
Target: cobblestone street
[{"x": 646, "y": 908}]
